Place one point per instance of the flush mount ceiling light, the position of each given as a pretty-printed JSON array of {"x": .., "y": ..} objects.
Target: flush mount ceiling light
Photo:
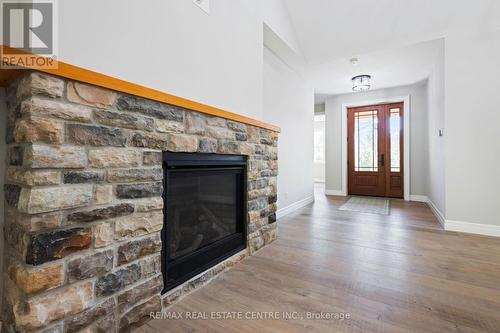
[{"x": 361, "y": 82}]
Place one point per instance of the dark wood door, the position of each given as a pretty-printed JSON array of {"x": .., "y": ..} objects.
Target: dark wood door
[{"x": 375, "y": 150}]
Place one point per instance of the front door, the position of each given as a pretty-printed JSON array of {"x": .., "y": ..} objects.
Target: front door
[{"x": 375, "y": 150}]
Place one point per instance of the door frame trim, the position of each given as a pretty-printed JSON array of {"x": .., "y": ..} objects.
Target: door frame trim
[{"x": 406, "y": 137}]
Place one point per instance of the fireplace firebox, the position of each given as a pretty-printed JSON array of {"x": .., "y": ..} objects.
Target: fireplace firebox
[{"x": 204, "y": 213}]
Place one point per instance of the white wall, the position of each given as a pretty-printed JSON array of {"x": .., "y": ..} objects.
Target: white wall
[
  {"x": 275, "y": 15},
  {"x": 418, "y": 134},
  {"x": 289, "y": 102},
  {"x": 172, "y": 46},
  {"x": 472, "y": 131},
  {"x": 436, "y": 148}
]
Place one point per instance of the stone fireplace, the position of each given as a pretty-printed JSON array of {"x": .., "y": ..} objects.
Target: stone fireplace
[{"x": 85, "y": 189}]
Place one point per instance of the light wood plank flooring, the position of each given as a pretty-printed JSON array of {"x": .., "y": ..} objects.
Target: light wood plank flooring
[{"x": 397, "y": 273}]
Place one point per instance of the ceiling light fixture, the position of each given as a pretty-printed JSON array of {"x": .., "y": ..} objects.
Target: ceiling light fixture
[{"x": 361, "y": 82}]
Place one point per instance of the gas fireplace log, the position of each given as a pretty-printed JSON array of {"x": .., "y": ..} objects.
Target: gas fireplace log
[
  {"x": 194, "y": 245},
  {"x": 181, "y": 229},
  {"x": 176, "y": 241},
  {"x": 221, "y": 228}
]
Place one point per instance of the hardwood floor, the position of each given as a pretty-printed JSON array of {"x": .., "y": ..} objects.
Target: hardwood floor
[{"x": 397, "y": 273}]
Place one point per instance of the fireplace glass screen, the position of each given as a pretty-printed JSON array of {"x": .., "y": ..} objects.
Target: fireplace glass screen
[
  {"x": 203, "y": 207},
  {"x": 204, "y": 212}
]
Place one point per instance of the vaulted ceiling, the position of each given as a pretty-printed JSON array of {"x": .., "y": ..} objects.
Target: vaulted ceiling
[
  {"x": 395, "y": 40},
  {"x": 332, "y": 29}
]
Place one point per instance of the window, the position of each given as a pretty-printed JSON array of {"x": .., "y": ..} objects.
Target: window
[
  {"x": 366, "y": 141},
  {"x": 395, "y": 126},
  {"x": 319, "y": 138}
]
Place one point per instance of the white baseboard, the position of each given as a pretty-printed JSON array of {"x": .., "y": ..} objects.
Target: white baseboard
[
  {"x": 437, "y": 213},
  {"x": 335, "y": 192},
  {"x": 432, "y": 206},
  {"x": 419, "y": 198},
  {"x": 293, "y": 207},
  {"x": 473, "y": 228},
  {"x": 459, "y": 226}
]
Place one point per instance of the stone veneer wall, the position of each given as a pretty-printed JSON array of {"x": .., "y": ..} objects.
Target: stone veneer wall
[{"x": 84, "y": 207}]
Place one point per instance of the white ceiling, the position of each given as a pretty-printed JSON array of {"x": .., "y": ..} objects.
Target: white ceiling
[
  {"x": 389, "y": 68},
  {"x": 329, "y": 29},
  {"x": 390, "y": 37}
]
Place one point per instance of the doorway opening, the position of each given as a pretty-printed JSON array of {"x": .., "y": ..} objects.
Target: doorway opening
[{"x": 375, "y": 150}]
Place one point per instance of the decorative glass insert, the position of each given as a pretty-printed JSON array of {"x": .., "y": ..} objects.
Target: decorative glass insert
[
  {"x": 366, "y": 141},
  {"x": 395, "y": 130}
]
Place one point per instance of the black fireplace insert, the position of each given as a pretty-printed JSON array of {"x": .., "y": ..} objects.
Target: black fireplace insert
[{"x": 204, "y": 213}]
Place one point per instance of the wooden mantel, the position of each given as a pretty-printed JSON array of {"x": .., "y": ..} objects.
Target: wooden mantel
[{"x": 87, "y": 76}]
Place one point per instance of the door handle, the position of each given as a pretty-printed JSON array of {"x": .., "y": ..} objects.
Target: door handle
[{"x": 382, "y": 160}]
